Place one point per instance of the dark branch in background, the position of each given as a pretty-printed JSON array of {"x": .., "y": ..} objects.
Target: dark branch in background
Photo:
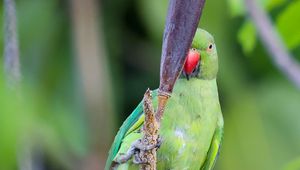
[
  {"x": 30, "y": 155},
  {"x": 11, "y": 48},
  {"x": 272, "y": 41}
]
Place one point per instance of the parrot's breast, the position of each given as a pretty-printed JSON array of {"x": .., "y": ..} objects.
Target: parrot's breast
[{"x": 188, "y": 124}]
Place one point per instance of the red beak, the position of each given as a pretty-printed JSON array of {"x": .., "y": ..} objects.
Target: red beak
[{"x": 192, "y": 59}]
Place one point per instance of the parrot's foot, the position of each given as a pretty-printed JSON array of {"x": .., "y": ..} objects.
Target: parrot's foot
[
  {"x": 138, "y": 145},
  {"x": 134, "y": 151}
]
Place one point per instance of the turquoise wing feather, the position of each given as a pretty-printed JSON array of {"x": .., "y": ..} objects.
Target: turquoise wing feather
[
  {"x": 124, "y": 129},
  {"x": 214, "y": 149}
]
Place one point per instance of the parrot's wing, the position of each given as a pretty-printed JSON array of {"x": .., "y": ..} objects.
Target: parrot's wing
[
  {"x": 133, "y": 122},
  {"x": 215, "y": 145}
]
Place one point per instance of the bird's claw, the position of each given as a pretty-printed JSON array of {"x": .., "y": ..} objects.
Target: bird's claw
[
  {"x": 140, "y": 146},
  {"x": 134, "y": 151}
]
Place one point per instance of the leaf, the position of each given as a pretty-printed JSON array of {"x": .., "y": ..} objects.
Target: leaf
[
  {"x": 271, "y": 4},
  {"x": 237, "y": 7},
  {"x": 293, "y": 165},
  {"x": 146, "y": 9},
  {"x": 247, "y": 37},
  {"x": 247, "y": 34},
  {"x": 288, "y": 25}
]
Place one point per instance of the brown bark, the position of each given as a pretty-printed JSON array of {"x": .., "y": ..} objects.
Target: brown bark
[{"x": 150, "y": 130}]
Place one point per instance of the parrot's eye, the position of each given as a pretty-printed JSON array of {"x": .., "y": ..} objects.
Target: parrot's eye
[{"x": 210, "y": 47}]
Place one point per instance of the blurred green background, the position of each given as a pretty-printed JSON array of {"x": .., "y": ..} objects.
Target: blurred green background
[{"x": 86, "y": 65}]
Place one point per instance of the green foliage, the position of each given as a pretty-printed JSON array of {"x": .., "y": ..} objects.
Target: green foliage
[
  {"x": 247, "y": 36},
  {"x": 288, "y": 25},
  {"x": 285, "y": 23},
  {"x": 28, "y": 119},
  {"x": 275, "y": 3},
  {"x": 42, "y": 115},
  {"x": 237, "y": 7},
  {"x": 293, "y": 165},
  {"x": 146, "y": 10}
]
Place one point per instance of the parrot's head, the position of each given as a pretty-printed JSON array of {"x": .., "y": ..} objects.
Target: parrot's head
[{"x": 202, "y": 59}]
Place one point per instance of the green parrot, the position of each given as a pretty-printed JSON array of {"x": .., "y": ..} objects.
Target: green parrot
[{"x": 192, "y": 126}]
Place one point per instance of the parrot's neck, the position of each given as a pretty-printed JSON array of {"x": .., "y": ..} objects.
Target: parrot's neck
[
  {"x": 196, "y": 87},
  {"x": 194, "y": 96}
]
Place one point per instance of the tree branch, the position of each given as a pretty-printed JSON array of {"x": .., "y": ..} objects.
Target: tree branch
[
  {"x": 272, "y": 41},
  {"x": 11, "y": 48},
  {"x": 150, "y": 130}
]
